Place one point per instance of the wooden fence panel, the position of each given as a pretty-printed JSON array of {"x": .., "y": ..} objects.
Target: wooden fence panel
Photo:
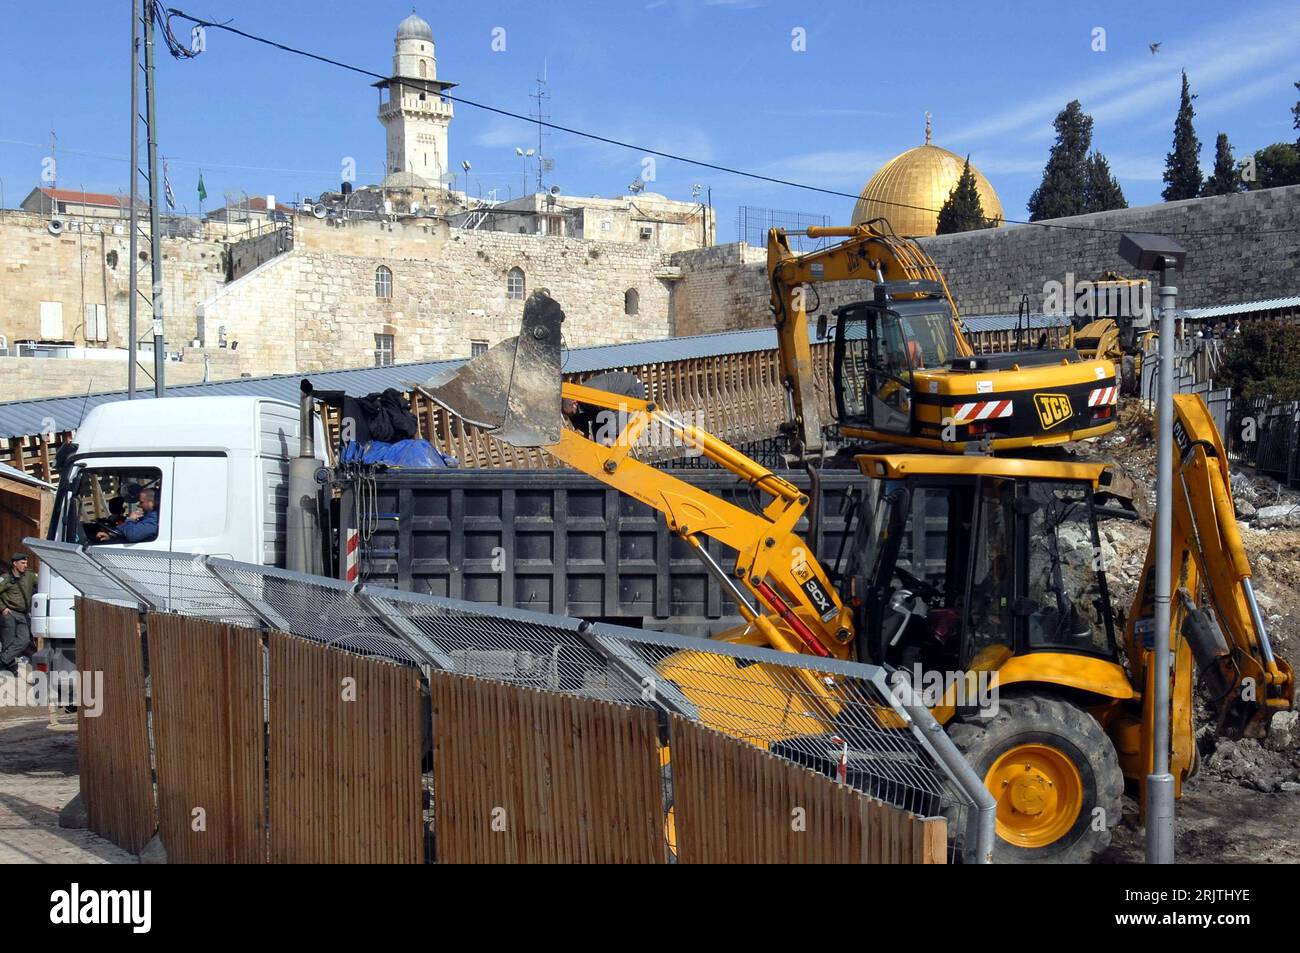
[
  {"x": 209, "y": 731},
  {"x": 734, "y": 803},
  {"x": 522, "y": 776},
  {"x": 116, "y": 776},
  {"x": 346, "y": 744}
]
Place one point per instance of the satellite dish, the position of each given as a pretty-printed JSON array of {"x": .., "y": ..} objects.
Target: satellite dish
[
  {"x": 636, "y": 186},
  {"x": 55, "y": 227},
  {"x": 318, "y": 210},
  {"x": 465, "y": 164}
]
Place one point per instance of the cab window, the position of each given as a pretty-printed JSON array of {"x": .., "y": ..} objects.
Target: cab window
[
  {"x": 115, "y": 506},
  {"x": 1064, "y": 586}
]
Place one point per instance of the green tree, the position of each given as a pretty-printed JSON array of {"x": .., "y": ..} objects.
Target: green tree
[
  {"x": 962, "y": 211},
  {"x": 1183, "y": 164},
  {"x": 1278, "y": 164},
  {"x": 1295, "y": 123},
  {"x": 1264, "y": 359},
  {"x": 1065, "y": 177},
  {"x": 1101, "y": 192},
  {"x": 1226, "y": 179}
]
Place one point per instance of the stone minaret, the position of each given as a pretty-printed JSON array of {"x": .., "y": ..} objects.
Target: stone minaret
[{"x": 414, "y": 113}]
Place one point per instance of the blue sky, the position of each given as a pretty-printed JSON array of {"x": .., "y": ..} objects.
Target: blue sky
[{"x": 713, "y": 79}]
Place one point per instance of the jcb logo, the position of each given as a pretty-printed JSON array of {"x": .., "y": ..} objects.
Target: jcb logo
[{"x": 1052, "y": 409}]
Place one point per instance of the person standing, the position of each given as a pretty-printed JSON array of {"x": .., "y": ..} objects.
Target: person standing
[{"x": 16, "y": 588}]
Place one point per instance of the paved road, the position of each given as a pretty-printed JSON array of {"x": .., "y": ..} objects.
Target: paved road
[{"x": 38, "y": 775}]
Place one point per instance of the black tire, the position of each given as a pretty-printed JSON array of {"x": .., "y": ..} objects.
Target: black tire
[{"x": 1053, "y": 722}]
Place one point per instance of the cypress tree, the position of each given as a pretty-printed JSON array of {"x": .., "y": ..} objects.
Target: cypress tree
[
  {"x": 1183, "y": 164},
  {"x": 1101, "y": 191},
  {"x": 962, "y": 211},
  {"x": 1226, "y": 179},
  {"x": 1065, "y": 177}
]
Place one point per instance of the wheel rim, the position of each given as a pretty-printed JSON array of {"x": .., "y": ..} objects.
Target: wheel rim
[{"x": 1039, "y": 793}]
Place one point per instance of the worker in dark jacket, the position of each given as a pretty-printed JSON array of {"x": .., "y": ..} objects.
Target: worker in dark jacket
[{"x": 16, "y": 587}]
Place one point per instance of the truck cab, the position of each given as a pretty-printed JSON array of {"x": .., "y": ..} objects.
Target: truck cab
[{"x": 203, "y": 475}]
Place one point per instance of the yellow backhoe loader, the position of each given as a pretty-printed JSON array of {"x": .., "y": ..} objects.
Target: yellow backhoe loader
[
  {"x": 958, "y": 564},
  {"x": 1113, "y": 322},
  {"x": 903, "y": 372}
]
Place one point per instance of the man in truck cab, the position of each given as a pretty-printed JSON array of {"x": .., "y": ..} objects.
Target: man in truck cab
[{"x": 139, "y": 529}]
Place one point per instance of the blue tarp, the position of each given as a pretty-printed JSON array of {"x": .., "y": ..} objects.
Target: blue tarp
[{"x": 408, "y": 454}]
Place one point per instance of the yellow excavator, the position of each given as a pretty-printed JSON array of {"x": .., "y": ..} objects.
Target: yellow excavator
[
  {"x": 979, "y": 564},
  {"x": 1113, "y": 322},
  {"x": 903, "y": 372}
]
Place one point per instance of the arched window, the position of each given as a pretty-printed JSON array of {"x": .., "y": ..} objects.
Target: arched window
[
  {"x": 383, "y": 282},
  {"x": 515, "y": 283},
  {"x": 422, "y": 67},
  {"x": 631, "y": 301}
]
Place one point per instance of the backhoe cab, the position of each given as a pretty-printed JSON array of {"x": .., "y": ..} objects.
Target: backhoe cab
[
  {"x": 901, "y": 377},
  {"x": 904, "y": 373}
]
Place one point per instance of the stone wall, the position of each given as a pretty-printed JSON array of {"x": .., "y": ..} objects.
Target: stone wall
[
  {"x": 24, "y": 378},
  {"x": 1239, "y": 248},
  {"x": 1248, "y": 248},
  {"x": 721, "y": 289},
  {"x": 315, "y": 307},
  {"x": 83, "y": 267}
]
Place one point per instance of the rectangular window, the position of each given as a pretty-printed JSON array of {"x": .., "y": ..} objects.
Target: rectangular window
[
  {"x": 117, "y": 505},
  {"x": 1064, "y": 583},
  {"x": 383, "y": 350},
  {"x": 477, "y": 347}
]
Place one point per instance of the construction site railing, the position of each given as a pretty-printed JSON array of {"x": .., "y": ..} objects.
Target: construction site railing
[{"x": 849, "y": 721}]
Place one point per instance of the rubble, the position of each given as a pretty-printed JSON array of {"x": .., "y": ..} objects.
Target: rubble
[
  {"x": 1249, "y": 764},
  {"x": 1285, "y": 514},
  {"x": 1283, "y": 731}
]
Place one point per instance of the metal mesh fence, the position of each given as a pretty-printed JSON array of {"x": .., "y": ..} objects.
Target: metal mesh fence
[
  {"x": 841, "y": 719},
  {"x": 82, "y": 573}
]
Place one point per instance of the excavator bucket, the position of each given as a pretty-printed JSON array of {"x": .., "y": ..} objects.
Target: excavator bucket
[{"x": 512, "y": 390}]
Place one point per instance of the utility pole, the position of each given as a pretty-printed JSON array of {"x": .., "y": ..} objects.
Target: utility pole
[
  {"x": 142, "y": 31},
  {"x": 133, "y": 209},
  {"x": 155, "y": 231}
]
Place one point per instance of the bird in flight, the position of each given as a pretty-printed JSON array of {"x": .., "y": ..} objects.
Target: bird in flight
[{"x": 1155, "y": 47}]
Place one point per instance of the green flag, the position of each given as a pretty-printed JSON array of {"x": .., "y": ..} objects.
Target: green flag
[{"x": 203, "y": 193}]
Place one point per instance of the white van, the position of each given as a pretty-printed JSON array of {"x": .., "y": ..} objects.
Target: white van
[{"x": 218, "y": 468}]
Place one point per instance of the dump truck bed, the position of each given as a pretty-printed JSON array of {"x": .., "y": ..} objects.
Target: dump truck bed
[{"x": 554, "y": 541}]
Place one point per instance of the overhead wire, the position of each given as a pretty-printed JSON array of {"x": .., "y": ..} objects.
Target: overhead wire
[{"x": 435, "y": 87}]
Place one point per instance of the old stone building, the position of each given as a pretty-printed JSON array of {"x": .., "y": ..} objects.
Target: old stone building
[
  {"x": 350, "y": 294},
  {"x": 404, "y": 270}
]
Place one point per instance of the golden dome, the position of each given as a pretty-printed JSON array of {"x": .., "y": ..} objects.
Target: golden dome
[{"x": 921, "y": 177}]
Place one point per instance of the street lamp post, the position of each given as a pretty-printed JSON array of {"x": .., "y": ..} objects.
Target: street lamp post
[
  {"x": 525, "y": 154},
  {"x": 1158, "y": 253}
]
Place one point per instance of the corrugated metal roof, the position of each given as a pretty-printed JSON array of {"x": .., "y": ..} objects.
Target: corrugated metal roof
[
  {"x": 12, "y": 473},
  {"x": 1247, "y": 307},
  {"x": 1007, "y": 322},
  {"x": 53, "y": 414}
]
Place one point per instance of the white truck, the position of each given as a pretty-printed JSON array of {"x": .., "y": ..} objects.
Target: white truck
[{"x": 217, "y": 467}]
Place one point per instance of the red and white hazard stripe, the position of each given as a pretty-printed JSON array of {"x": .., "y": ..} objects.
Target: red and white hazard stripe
[
  {"x": 1103, "y": 395},
  {"x": 982, "y": 410},
  {"x": 353, "y": 550}
]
